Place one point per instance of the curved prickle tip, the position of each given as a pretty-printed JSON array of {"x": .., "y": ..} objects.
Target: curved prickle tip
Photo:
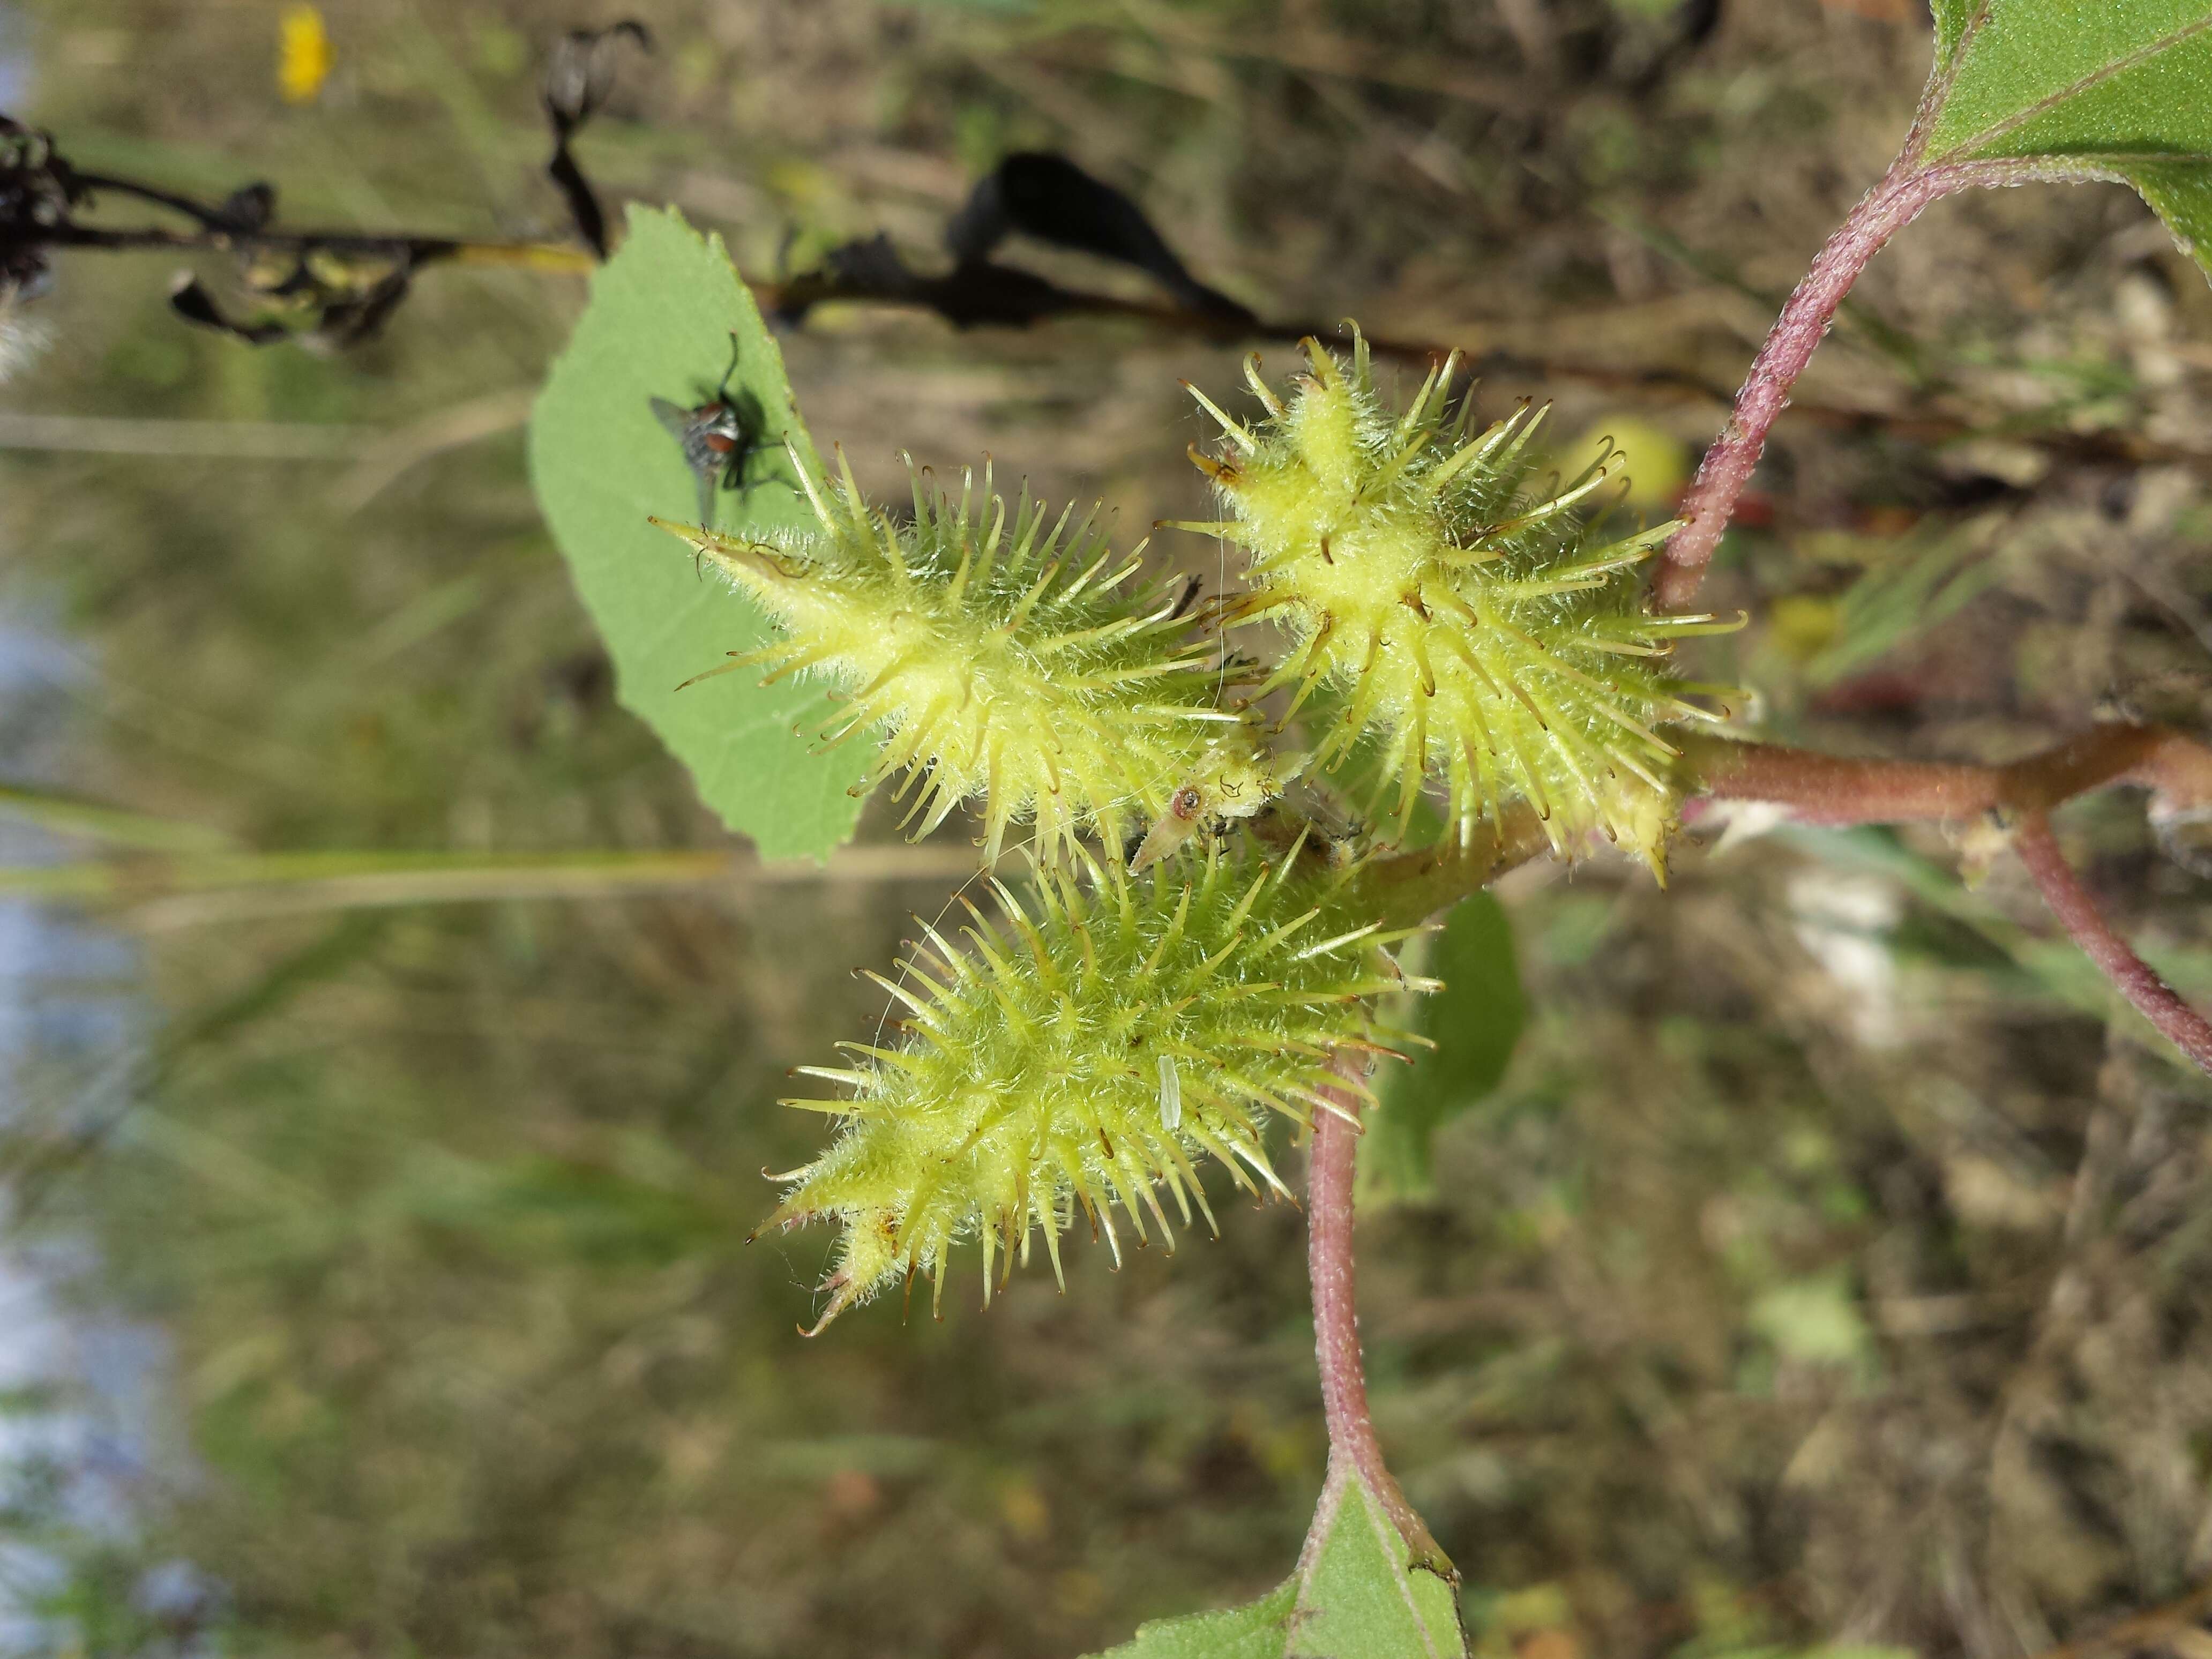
[
  {"x": 1231, "y": 426},
  {"x": 842, "y": 1295},
  {"x": 1222, "y": 473},
  {"x": 1260, "y": 389}
]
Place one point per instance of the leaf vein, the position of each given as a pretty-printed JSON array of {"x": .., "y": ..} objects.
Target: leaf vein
[{"x": 2020, "y": 118}]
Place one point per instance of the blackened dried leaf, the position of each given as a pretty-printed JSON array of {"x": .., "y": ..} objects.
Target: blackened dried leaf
[
  {"x": 348, "y": 320},
  {"x": 579, "y": 76},
  {"x": 191, "y": 301},
  {"x": 1049, "y": 197},
  {"x": 37, "y": 190},
  {"x": 873, "y": 269},
  {"x": 1699, "y": 18},
  {"x": 245, "y": 210},
  {"x": 973, "y": 295},
  {"x": 580, "y": 72}
]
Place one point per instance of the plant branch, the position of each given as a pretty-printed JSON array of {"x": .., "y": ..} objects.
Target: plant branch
[
  {"x": 2134, "y": 978},
  {"x": 1908, "y": 188},
  {"x": 1404, "y": 889},
  {"x": 872, "y": 272},
  {"x": 398, "y": 246},
  {"x": 1352, "y": 1448},
  {"x": 1832, "y": 789},
  {"x": 1886, "y": 209}
]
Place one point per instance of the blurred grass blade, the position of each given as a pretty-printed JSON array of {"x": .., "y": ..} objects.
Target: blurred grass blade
[
  {"x": 170, "y": 892},
  {"x": 256, "y": 441},
  {"x": 2040, "y": 967},
  {"x": 33, "y": 1160},
  {"x": 1923, "y": 582},
  {"x": 659, "y": 324},
  {"x": 70, "y": 815}
]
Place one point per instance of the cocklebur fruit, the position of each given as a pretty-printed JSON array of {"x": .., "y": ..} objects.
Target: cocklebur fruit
[
  {"x": 1477, "y": 628},
  {"x": 999, "y": 656},
  {"x": 1112, "y": 1030}
]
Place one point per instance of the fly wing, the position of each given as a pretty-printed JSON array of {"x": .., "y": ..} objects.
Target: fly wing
[
  {"x": 708, "y": 478},
  {"x": 676, "y": 418}
]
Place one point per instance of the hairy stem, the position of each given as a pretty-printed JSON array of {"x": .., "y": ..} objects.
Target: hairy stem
[
  {"x": 1886, "y": 209},
  {"x": 1353, "y": 1446},
  {"x": 1830, "y": 789},
  {"x": 1835, "y": 790},
  {"x": 2134, "y": 978},
  {"x": 1407, "y": 888}
]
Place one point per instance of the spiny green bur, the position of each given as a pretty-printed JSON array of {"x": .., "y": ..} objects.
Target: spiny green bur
[
  {"x": 1113, "y": 1031},
  {"x": 1475, "y": 627},
  {"x": 999, "y": 656}
]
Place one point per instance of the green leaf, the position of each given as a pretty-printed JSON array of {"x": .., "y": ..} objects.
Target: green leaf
[
  {"x": 660, "y": 324},
  {"x": 1356, "y": 1595},
  {"x": 1951, "y": 17},
  {"x": 1258, "y": 1630},
  {"x": 1474, "y": 1021},
  {"x": 1363, "y": 1598},
  {"x": 2116, "y": 88}
]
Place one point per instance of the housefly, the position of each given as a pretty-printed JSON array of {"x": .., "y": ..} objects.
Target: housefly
[{"x": 718, "y": 436}]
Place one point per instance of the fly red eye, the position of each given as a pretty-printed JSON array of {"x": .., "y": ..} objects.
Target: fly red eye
[
  {"x": 1185, "y": 801},
  {"x": 721, "y": 442}
]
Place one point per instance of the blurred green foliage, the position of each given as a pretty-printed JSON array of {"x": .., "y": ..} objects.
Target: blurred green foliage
[{"x": 1473, "y": 1023}]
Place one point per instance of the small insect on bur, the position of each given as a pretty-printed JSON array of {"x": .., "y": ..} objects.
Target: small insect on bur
[
  {"x": 1183, "y": 600},
  {"x": 1170, "y": 1095},
  {"x": 718, "y": 436}
]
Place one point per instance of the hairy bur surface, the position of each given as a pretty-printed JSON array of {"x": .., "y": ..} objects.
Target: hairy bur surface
[
  {"x": 1001, "y": 656},
  {"x": 1086, "y": 1051},
  {"x": 1474, "y": 627}
]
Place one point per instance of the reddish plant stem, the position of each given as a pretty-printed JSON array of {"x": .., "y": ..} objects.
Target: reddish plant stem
[
  {"x": 1353, "y": 1446},
  {"x": 1833, "y": 789},
  {"x": 2134, "y": 979},
  {"x": 1403, "y": 889},
  {"x": 1829, "y": 789},
  {"x": 1886, "y": 209}
]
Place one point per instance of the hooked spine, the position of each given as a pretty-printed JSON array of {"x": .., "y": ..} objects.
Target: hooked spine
[{"x": 1480, "y": 632}]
